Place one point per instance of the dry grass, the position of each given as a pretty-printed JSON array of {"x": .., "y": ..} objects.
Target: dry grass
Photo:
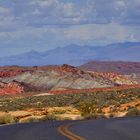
[{"x": 6, "y": 118}]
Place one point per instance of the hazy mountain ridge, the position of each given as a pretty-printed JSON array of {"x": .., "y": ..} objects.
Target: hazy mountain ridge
[{"x": 76, "y": 55}]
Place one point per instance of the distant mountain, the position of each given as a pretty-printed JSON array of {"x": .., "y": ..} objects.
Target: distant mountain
[{"x": 77, "y": 55}]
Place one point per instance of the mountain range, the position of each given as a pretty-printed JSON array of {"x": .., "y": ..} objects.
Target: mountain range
[{"x": 76, "y": 55}]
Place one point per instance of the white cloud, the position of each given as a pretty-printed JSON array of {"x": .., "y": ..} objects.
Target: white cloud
[
  {"x": 59, "y": 22},
  {"x": 79, "y": 34},
  {"x": 106, "y": 33},
  {"x": 35, "y": 12}
]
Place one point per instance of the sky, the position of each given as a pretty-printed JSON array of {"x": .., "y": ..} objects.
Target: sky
[{"x": 46, "y": 24}]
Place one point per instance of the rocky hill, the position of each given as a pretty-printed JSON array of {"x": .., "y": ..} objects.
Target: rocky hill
[
  {"x": 118, "y": 78},
  {"x": 112, "y": 66},
  {"x": 65, "y": 77}
]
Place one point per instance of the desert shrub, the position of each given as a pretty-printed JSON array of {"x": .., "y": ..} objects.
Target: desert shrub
[
  {"x": 49, "y": 117},
  {"x": 45, "y": 118},
  {"x": 94, "y": 116},
  {"x": 7, "y": 118},
  {"x": 29, "y": 120},
  {"x": 63, "y": 118},
  {"x": 102, "y": 98},
  {"x": 60, "y": 111},
  {"x": 133, "y": 112},
  {"x": 87, "y": 107},
  {"x": 111, "y": 115}
]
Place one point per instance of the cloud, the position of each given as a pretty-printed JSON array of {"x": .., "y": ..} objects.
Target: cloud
[
  {"x": 46, "y": 12},
  {"x": 3, "y": 10},
  {"x": 60, "y": 22},
  {"x": 104, "y": 34},
  {"x": 79, "y": 34}
]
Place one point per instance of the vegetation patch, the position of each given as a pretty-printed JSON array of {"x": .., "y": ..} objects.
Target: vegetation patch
[
  {"x": 88, "y": 105},
  {"x": 6, "y": 118}
]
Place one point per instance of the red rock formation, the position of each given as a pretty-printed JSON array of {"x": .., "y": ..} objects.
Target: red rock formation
[
  {"x": 10, "y": 88},
  {"x": 10, "y": 73},
  {"x": 64, "y": 68},
  {"x": 102, "y": 78},
  {"x": 116, "y": 77}
]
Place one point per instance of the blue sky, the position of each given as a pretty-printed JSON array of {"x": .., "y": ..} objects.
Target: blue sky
[{"x": 46, "y": 24}]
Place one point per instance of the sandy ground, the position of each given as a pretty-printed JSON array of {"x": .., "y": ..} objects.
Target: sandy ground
[{"x": 43, "y": 94}]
